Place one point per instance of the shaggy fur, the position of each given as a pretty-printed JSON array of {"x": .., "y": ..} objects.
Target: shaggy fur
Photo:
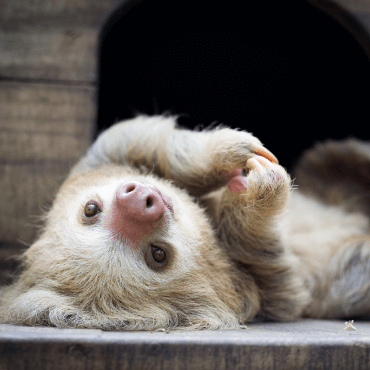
[{"x": 233, "y": 253}]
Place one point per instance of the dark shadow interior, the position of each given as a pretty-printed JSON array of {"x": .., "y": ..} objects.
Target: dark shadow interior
[{"x": 285, "y": 71}]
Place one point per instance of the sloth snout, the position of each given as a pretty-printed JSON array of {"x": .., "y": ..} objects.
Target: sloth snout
[{"x": 139, "y": 202}]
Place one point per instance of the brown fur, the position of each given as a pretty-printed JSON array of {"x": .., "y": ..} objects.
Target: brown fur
[{"x": 232, "y": 255}]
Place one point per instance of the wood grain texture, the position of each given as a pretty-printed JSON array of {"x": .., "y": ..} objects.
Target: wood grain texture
[
  {"x": 307, "y": 344},
  {"x": 50, "y": 54},
  {"x": 52, "y": 40},
  {"x": 45, "y": 129}
]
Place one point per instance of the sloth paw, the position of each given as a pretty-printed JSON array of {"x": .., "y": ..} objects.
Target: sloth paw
[
  {"x": 265, "y": 188},
  {"x": 228, "y": 150},
  {"x": 267, "y": 171},
  {"x": 267, "y": 180}
]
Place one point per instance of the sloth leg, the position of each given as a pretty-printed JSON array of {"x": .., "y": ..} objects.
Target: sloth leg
[
  {"x": 343, "y": 287},
  {"x": 337, "y": 172}
]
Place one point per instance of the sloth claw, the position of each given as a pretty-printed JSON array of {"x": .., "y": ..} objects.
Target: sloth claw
[
  {"x": 262, "y": 151},
  {"x": 257, "y": 163}
]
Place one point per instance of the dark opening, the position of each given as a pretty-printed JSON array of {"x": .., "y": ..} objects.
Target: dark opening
[{"x": 285, "y": 71}]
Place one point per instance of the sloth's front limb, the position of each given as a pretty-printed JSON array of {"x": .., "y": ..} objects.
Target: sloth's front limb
[
  {"x": 248, "y": 214},
  {"x": 193, "y": 160}
]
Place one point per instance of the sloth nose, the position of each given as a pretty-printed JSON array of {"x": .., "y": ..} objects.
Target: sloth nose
[{"x": 139, "y": 203}]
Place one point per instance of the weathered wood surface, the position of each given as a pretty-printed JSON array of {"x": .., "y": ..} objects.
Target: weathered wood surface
[
  {"x": 52, "y": 40},
  {"x": 48, "y": 67},
  {"x": 309, "y": 344},
  {"x": 45, "y": 129}
]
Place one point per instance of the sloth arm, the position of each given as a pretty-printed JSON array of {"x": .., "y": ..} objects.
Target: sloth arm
[
  {"x": 248, "y": 215},
  {"x": 193, "y": 160}
]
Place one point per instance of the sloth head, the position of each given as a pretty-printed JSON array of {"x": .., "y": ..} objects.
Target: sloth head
[{"x": 123, "y": 251}]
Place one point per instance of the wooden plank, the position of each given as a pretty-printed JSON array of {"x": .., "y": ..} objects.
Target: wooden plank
[
  {"x": 45, "y": 129},
  {"x": 308, "y": 344},
  {"x": 50, "y": 54},
  {"x": 42, "y": 107},
  {"x": 52, "y": 40}
]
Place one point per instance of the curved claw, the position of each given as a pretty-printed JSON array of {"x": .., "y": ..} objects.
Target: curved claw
[
  {"x": 253, "y": 164},
  {"x": 257, "y": 163},
  {"x": 262, "y": 151}
]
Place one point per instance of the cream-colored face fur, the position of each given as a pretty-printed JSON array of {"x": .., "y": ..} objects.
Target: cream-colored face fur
[
  {"x": 177, "y": 233},
  {"x": 92, "y": 277}
]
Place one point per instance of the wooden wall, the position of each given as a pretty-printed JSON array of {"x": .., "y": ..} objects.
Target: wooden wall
[{"x": 48, "y": 87}]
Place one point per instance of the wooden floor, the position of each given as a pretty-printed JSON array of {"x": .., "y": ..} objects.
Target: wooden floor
[{"x": 308, "y": 344}]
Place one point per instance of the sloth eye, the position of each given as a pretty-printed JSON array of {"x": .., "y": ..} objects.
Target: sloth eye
[
  {"x": 91, "y": 209},
  {"x": 158, "y": 254},
  {"x": 160, "y": 258}
]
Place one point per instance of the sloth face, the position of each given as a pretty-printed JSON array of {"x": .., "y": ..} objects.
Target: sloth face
[{"x": 125, "y": 251}]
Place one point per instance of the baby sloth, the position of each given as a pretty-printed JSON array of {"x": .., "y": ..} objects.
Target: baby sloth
[{"x": 161, "y": 227}]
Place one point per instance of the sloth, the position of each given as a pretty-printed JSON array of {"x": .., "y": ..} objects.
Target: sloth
[{"x": 162, "y": 227}]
